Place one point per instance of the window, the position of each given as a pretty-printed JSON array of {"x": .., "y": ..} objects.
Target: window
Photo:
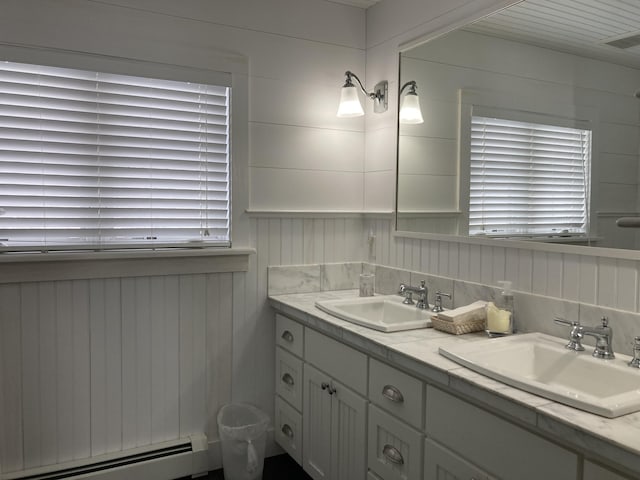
[
  {"x": 96, "y": 160},
  {"x": 528, "y": 179}
]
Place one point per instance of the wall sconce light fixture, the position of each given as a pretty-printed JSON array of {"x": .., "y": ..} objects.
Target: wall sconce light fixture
[
  {"x": 350, "y": 105},
  {"x": 410, "y": 112}
]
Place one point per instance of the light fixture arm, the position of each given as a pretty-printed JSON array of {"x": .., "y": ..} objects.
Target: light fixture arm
[
  {"x": 377, "y": 95},
  {"x": 412, "y": 84},
  {"x": 350, "y": 105}
]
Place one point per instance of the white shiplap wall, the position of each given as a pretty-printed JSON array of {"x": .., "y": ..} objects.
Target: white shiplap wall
[
  {"x": 97, "y": 387},
  {"x": 290, "y": 55}
]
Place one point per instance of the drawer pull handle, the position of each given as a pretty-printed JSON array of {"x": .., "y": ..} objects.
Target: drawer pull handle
[
  {"x": 287, "y": 430},
  {"x": 392, "y": 393},
  {"x": 393, "y": 454},
  {"x": 287, "y": 336},
  {"x": 288, "y": 379}
]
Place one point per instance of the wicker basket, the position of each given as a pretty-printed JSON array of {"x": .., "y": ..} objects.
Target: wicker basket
[{"x": 458, "y": 328}]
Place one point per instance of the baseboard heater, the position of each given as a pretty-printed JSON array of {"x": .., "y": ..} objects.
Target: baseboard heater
[{"x": 163, "y": 461}]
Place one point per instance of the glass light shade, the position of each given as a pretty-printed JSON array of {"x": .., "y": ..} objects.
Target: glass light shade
[
  {"x": 350, "y": 103},
  {"x": 410, "y": 109}
]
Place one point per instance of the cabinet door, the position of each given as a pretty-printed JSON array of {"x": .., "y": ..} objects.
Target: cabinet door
[
  {"x": 441, "y": 464},
  {"x": 348, "y": 431},
  {"x": 333, "y": 429},
  {"x": 316, "y": 424}
]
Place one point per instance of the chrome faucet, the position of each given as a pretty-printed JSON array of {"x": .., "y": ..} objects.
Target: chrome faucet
[
  {"x": 602, "y": 333},
  {"x": 407, "y": 291},
  {"x": 437, "y": 303}
]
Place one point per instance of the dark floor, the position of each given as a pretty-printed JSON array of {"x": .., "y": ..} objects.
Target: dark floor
[{"x": 280, "y": 467}]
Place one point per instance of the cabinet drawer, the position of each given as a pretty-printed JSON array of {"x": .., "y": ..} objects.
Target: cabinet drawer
[
  {"x": 493, "y": 444},
  {"x": 289, "y": 335},
  {"x": 596, "y": 472},
  {"x": 289, "y": 378},
  {"x": 394, "y": 449},
  {"x": 396, "y": 392},
  {"x": 341, "y": 362},
  {"x": 442, "y": 464},
  {"x": 288, "y": 429}
]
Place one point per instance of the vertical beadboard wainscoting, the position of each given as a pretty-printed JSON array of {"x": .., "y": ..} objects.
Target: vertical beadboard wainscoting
[
  {"x": 94, "y": 366},
  {"x": 280, "y": 238},
  {"x": 600, "y": 277}
]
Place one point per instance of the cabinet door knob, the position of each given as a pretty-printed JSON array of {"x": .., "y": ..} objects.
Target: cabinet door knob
[
  {"x": 288, "y": 379},
  {"x": 392, "y": 393},
  {"x": 392, "y": 454},
  {"x": 328, "y": 387},
  {"x": 287, "y": 430},
  {"x": 287, "y": 336}
]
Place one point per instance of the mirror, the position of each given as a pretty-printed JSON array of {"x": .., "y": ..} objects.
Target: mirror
[{"x": 533, "y": 59}]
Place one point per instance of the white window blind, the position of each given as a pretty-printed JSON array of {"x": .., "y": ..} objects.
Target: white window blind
[
  {"x": 528, "y": 179},
  {"x": 105, "y": 161}
]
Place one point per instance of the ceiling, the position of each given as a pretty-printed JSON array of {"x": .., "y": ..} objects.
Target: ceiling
[{"x": 576, "y": 26}]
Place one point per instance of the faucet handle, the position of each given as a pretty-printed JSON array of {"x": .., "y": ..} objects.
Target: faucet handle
[
  {"x": 569, "y": 323},
  {"x": 437, "y": 304},
  {"x": 635, "y": 361},
  {"x": 575, "y": 336},
  {"x": 605, "y": 321}
]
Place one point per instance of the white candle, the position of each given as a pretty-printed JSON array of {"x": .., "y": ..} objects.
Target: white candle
[{"x": 498, "y": 320}]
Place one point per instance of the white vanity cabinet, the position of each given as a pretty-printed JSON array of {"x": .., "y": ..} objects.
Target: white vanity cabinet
[
  {"x": 334, "y": 415},
  {"x": 345, "y": 415},
  {"x": 493, "y": 444}
]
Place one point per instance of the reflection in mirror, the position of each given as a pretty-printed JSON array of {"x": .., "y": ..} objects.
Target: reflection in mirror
[{"x": 569, "y": 82}]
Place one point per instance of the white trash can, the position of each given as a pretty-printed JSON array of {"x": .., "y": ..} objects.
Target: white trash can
[{"x": 243, "y": 432}]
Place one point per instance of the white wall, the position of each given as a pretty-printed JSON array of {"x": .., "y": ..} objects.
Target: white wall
[
  {"x": 392, "y": 25},
  {"x": 297, "y": 51},
  {"x": 300, "y": 157},
  {"x": 97, "y": 365}
]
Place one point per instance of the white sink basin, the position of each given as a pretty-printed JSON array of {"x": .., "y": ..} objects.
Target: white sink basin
[
  {"x": 540, "y": 364},
  {"x": 386, "y": 313}
]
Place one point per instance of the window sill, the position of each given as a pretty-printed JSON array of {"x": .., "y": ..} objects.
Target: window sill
[{"x": 39, "y": 267}]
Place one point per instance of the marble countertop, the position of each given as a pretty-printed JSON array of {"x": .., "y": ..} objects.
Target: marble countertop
[{"x": 615, "y": 441}]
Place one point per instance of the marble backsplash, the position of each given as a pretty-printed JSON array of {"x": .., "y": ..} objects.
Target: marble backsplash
[{"x": 532, "y": 313}]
